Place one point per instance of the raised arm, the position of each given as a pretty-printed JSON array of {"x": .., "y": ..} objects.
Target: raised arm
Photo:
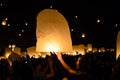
[
  {"x": 51, "y": 74},
  {"x": 59, "y": 56}
]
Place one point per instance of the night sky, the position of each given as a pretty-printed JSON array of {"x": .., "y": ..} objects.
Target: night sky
[{"x": 82, "y": 16}]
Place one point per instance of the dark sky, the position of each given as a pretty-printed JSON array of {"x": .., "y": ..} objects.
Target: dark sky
[{"x": 88, "y": 11}]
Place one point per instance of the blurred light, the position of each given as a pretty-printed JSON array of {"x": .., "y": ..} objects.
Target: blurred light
[
  {"x": 22, "y": 30},
  {"x": 116, "y": 25},
  {"x": 107, "y": 49},
  {"x": 6, "y": 18},
  {"x": 4, "y": 22},
  {"x": 72, "y": 30},
  {"x": 89, "y": 47},
  {"x": 94, "y": 50},
  {"x": 83, "y": 35},
  {"x": 13, "y": 47},
  {"x": 65, "y": 78},
  {"x": 26, "y": 23},
  {"x": 51, "y": 48},
  {"x": 98, "y": 20},
  {"x": 76, "y": 17},
  {"x": 10, "y": 46},
  {"x": 1, "y": 4},
  {"x": 112, "y": 49},
  {"x": 19, "y": 34},
  {"x": 51, "y": 6},
  {"x": 8, "y": 24}
]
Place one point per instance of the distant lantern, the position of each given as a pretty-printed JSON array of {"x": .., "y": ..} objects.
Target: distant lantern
[
  {"x": 116, "y": 25},
  {"x": 52, "y": 32},
  {"x": 89, "y": 47},
  {"x": 83, "y": 35},
  {"x": 4, "y": 22},
  {"x": 80, "y": 49},
  {"x": 26, "y": 23},
  {"x": 72, "y": 30},
  {"x": 6, "y": 18},
  {"x": 98, "y": 20},
  {"x": 22, "y": 30},
  {"x": 19, "y": 34},
  {"x": 1, "y": 4},
  {"x": 8, "y": 24},
  {"x": 118, "y": 45},
  {"x": 76, "y": 17},
  {"x": 51, "y": 6}
]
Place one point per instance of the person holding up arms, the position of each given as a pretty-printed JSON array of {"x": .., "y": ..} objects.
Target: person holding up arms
[{"x": 79, "y": 71}]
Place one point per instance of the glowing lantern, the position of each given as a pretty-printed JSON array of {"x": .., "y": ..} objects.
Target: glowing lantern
[
  {"x": 118, "y": 45},
  {"x": 98, "y": 20},
  {"x": 31, "y": 51},
  {"x": 79, "y": 48},
  {"x": 52, "y": 32},
  {"x": 4, "y": 22},
  {"x": 89, "y": 47},
  {"x": 83, "y": 35}
]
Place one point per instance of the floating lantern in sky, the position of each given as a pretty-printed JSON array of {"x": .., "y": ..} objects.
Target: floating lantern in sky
[
  {"x": 51, "y": 6},
  {"x": 76, "y": 17},
  {"x": 83, "y": 35},
  {"x": 118, "y": 45},
  {"x": 98, "y": 20},
  {"x": 4, "y": 22},
  {"x": 26, "y": 23},
  {"x": 19, "y": 34},
  {"x": 89, "y": 47},
  {"x": 72, "y": 30},
  {"x": 116, "y": 25},
  {"x": 1, "y": 4},
  {"x": 52, "y": 32}
]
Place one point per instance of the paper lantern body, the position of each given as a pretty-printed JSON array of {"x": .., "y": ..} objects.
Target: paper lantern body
[
  {"x": 52, "y": 32},
  {"x": 118, "y": 45}
]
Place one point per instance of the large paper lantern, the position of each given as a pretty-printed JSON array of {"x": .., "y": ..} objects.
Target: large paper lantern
[
  {"x": 52, "y": 32},
  {"x": 118, "y": 45}
]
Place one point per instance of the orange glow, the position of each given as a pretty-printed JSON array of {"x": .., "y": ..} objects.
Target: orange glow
[
  {"x": 4, "y": 22},
  {"x": 83, "y": 35},
  {"x": 118, "y": 45},
  {"x": 51, "y": 48},
  {"x": 98, "y": 20},
  {"x": 52, "y": 32}
]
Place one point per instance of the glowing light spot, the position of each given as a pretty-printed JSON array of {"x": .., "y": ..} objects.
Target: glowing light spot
[
  {"x": 26, "y": 23},
  {"x": 1, "y": 4},
  {"x": 19, "y": 34},
  {"x": 8, "y": 24},
  {"x": 116, "y": 25},
  {"x": 6, "y": 18},
  {"x": 51, "y": 48},
  {"x": 76, "y": 17},
  {"x": 72, "y": 30},
  {"x": 13, "y": 47},
  {"x": 51, "y": 6},
  {"x": 22, "y": 30},
  {"x": 98, "y": 20},
  {"x": 83, "y": 35},
  {"x": 4, "y": 22},
  {"x": 10, "y": 46}
]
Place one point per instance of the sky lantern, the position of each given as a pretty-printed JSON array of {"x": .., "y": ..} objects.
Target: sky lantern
[
  {"x": 52, "y": 32},
  {"x": 118, "y": 45},
  {"x": 83, "y": 35},
  {"x": 4, "y": 22},
  {"x": 80, "y": 49}
]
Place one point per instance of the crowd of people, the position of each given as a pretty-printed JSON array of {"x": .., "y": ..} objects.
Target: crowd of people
[{"x": 58, "y": 66}]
